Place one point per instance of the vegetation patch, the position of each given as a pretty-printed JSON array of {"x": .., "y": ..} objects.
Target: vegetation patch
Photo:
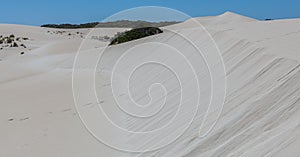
[
  {"x": 11, "y": 41},
  {"x": 115, "y": 24},
  {"x": 134, "y": 34},
  {"x": 14, "y": 45}
]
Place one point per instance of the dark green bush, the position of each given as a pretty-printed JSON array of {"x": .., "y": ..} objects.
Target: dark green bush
[
  {"x": 15, "y": 44},
  {"x": 118, "y": 24},
  {"x": 134, "y": 34},
  {"x": 23, "y": 45}
]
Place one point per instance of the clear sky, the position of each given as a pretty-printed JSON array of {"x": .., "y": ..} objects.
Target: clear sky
[{"x": 37, "y": 12}]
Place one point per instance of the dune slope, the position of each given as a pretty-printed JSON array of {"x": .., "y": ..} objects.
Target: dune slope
[{"x": 261, "y": 114}]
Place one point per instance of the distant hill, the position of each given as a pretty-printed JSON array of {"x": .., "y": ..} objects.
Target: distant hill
[{"x": 120, "y": 24}]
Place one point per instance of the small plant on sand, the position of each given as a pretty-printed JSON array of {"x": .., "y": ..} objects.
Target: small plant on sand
[
  {"x": 106, "y": 37},
  {"x": 22, "y": 45},
  {"x": 9, "y": 40},
  {"x": 15, "y": 44}
]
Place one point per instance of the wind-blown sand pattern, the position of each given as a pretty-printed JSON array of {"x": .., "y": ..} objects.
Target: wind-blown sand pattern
[{"x": 260, "y": 115}]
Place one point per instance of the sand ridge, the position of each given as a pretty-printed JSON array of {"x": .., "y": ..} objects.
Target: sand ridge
[{"x": 261, "y": 111}]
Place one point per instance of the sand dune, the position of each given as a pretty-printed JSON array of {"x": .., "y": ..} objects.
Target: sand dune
[{"x": 260, "y": 117}]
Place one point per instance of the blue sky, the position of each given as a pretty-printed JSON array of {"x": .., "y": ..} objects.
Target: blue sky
[{"x": 37, "y": 12}]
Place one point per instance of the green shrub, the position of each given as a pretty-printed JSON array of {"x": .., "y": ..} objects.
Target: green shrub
[
  {"x": 9, "y": 40},
  {"x": 134, "y": 34},
  {"x": 23, "y": 45},
  {"x": 15, "y": 44},
  {"x": 118, "y": 24}
]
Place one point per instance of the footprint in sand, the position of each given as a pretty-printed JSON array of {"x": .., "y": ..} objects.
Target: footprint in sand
[
  {"x": 23, "y": 119},
  {"x": 66, "y": 110}
]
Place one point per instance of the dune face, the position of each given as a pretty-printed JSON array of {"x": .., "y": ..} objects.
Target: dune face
[{"x": 260, "y": 116}]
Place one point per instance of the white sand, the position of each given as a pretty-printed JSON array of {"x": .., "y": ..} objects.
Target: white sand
[{"x": 261, "y": 111}]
